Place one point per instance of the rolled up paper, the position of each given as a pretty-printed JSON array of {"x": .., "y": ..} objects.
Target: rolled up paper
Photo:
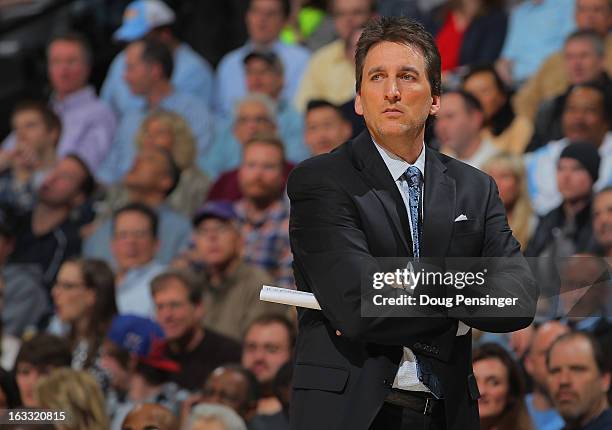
[{"x": 286, "y": 296}]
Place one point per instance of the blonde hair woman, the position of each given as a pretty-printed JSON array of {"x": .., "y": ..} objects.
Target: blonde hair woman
[
  {"x": 77, "y": 393},
  {"x": 508, "y": 172}
]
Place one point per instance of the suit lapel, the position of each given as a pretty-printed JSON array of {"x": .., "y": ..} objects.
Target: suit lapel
[
  {"x": 375, "y": 172},
  {"x": 439, "y": 207}
]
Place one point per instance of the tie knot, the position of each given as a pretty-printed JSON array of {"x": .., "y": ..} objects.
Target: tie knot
[{"x": 414, "y": 176}]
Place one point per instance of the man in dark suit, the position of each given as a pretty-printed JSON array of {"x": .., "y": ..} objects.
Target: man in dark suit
[{"x": 367, "y": 200}]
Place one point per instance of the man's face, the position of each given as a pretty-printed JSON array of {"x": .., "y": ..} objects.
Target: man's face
[
  {"x": 456, "y": 127},
  {"x": 507, "y": 183},
  {"x": 577, "y": 387},
  {"x": 261, "y": 173},
  {"x": 262, "y": 77},
  {"x": 133, "y": 244},
  {"x": 229, "y": 388},
  {"x": 482, "y": 86},
  {"x": 138, "y": 73},
  {"x": 27, "y": 376},
  {"x": 217, "y": 242},
  {"x": 573, "y": 181},
  {"x": 325, "y": 129},
  {"x": 31, "y": 132},
  {"x": 535, "y": 362},
  {"x": 175, "y": 312},
  {"x": 62, "y": 186},
  {"x": 266, "y": 349},
  {"x": 594, "y": 15},
  {"x": 602, "y": 219},
  {"x": 265, "y": 21},
  {"x": 67, "y": 67},
  {"x": 395, "y": 96},
  {"x": 583, "y": 116},
  {"x": 493, "y": 384},
  {"x": 252, "y": 118},
  {"x": 581, "y": 61},
  {"x": 349, "y": 15},
  {"x": 149, "y": 172}
]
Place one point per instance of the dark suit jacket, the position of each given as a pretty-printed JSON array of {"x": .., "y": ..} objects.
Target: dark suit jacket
[{"x": 346, "y": 210}]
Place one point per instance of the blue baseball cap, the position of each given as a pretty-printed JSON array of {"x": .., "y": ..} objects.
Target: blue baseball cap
[
  {"x": 220, "y": 209},
  {"x": 135, "y": 334},
  {"x": 142, "y": 16}
]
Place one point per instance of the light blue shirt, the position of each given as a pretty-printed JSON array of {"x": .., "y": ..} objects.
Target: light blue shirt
[
  {"x": 133, "y": 294},
  {"x": 226, "y": 152},
  {"x": 230, "y": 85},
  {"x": 174, "y": 233},
  {"x": 122, "y": 154},
  {"x": 192, "y": 75},
  {"x": 536, "y": 31},
  {"x": 543, "y": 420}
]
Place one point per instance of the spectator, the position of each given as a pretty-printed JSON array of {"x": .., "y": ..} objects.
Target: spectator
[
  {"x": 154, "y": 19},
  {"x": 458, "y": 127},
  {"x": 179, "y": 307},
  {"x": 331, "y": 71},
  {"x": 150, "y": 416},
  {"x": 268, "y": 344},
  {"x": 37, "y": 357},
  {"x": 508, "y": 172},
  {"x": 9, "y": 345},
  {"x": 88, "y": 124},
  {"x": 9, "y": 393},
  {"x": 231, "y": 287},
  {"x": 264, "y": 20},
  {"x": 147, "y": 372},
  {"x": 602, "y": 221},
  {"x": 84, "y": 299},
  {"x": 552, "y": 78},
  {"x": 214, "y": 417},
  {"x": 48, "y": 235},
  {"x": 567, "y": 229},
  {"x": 149, "y": 66},
  {"x": 579, "y": 381},
  {"x": 150, "y": 181},
  {"x": 584, "y": 56},
  {"x": 25, "y": 300},
  {"x": 77, "y": 394},
  {"x": 37, "y": 130},
  {"x": 586, "y": 118},
  {"x": 326, "y": 127},
  {"x": 263, "y": 214},
  {"x": 539, "y": 402},
  {"x": 507, "y": 131},
  {"x": 536, "y": 29},
  {"x": 501, "y": 404},
  {"x": 255, "y": 113}
]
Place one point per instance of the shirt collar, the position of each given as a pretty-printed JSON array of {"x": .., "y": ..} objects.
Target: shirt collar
[
  {"x": 398, "y": 166},
  {"x": 75, "y": 99}
]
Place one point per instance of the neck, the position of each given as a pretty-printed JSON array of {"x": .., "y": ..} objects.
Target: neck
[
  {"x": 60, "y": 96},
  {"x": 45, "y": 218},
  {"x": 489, "y": 423},
  {"x": 160, "y": 90},
  {"x": 188, "y": 341},
  {"x": 541, "y": 402},
  {"x": 263, "y": 46},
  {"x": 467, "y": 151},
  {"x": 217, "y": 273},
  {"x": 572, "y": 207},
  {"x": 144, "y": 392},
  {"x": 146, "y": 196},
  {"x": 596, "y": 411},
  {"x": 257, "y": 206},
  {"x": 397, "y": 144}
]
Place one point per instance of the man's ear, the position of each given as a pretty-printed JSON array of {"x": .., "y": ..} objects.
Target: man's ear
[
  {"x": 605, "y": 382},
  {"x": 358, "y": 106},
  {"x": 435, "y": 105}
]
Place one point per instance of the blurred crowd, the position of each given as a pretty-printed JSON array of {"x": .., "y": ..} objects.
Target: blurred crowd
[{"x": 139, "y": 220}]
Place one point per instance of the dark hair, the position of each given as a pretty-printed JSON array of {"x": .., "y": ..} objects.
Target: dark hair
[
  {"x": 45, "y": 351},
  {"x": 156, "y": 52},
  {"x": 605, "y": 95},
  {"x": 51, "y": 119},
  {"x": 8, "y": 386},
  {"x": 592, "y": 36},
  {"x": 88, "y": 186},
  {"x": 253, "y": 393},
  {"x": 404, "y": 31},
  {"x": 74, "y": 37},
  {"x": 270, "y": 139},
  {"x": 142, "y": 209},
  {"x": 185, "y": 277},
  {"x": 285, "y": 6},
  {"x": 152, "y": 375},
  {"x": 321, "y": 103},
  {"x": 515, "y": 415},
  {"x": 99, "y": 277},
  {"x": 273, "y": 318},
  {"x": 471, "y": 103},
  {"x": 486, "y": 68},
  {"x": 598, "y": 355}
]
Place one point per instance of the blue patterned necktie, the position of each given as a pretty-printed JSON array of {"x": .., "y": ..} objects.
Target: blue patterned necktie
[{"x": 414, "y": 180}]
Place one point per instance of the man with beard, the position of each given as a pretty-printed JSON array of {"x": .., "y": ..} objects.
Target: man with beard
[
  {"x": 586, "y": 117},
  {"x": 602, "y": 221},
  {"x": 539, "y": 403},
  {"x": 178, "y": 304},
  {"x": 262, "y": 213},
  {"x": 579, "y": 381}
]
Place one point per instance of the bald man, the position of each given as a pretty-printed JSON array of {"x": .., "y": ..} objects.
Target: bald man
[{"x": 148, "y": 416}]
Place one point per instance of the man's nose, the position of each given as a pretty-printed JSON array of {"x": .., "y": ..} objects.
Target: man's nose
[{"x": 392, "y": 93}]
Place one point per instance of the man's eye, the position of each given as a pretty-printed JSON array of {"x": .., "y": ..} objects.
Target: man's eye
[
  {"x": 376, "y": 77},
  {"x": 408, "y": 77}
]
